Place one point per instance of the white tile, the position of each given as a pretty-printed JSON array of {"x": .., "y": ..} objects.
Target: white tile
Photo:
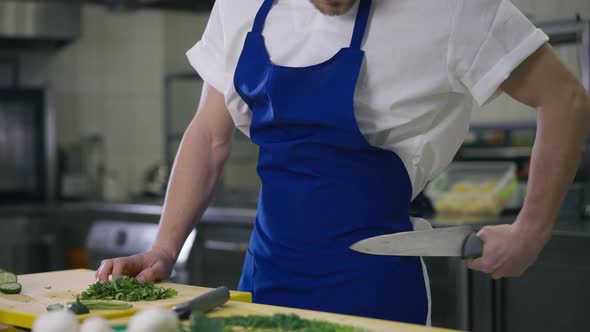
[
  {"x": 149, "y": 134},
  {"x": 66, "y": 120},
  {"x": 92, "y": 113},
  {"x": 141, "y": 164},
  {"x": 117, "y": 171},
  {"x": 119, "y": 125}
]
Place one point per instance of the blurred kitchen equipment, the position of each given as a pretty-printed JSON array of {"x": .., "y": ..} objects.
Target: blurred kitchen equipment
[
  {"x": 502, "y": 143},
  {"x": 82, "y": 169},
  {"x": 29, "y": 245},
  {"x": 572, "y": 207},
  {"x": 9, "y": 71},
  {"x": 473, "y": 188},
  {"x": 156, "y": 180},
  {"x": 109, "y": 239},
  {"x": 27, "y": 146},
  {"x": 39, "y": 24}
]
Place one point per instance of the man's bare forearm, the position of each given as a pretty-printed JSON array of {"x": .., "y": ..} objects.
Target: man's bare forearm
[
  {"x": 562, "y": 126},
  {"x": 205, "y": 147}
]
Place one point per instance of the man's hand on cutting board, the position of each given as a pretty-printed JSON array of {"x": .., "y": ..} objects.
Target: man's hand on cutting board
[
  {"x": 508, "y": 251},
  {"x": 153, "y": 265}
]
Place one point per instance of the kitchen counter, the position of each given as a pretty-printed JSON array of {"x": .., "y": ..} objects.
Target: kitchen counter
[
  {"x": 565, "y": 226},
  {"x": 212, "y": 214}
]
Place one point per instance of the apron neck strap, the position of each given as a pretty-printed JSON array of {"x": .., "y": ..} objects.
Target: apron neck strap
[
  {"x": 362, "y": 17},
  {"x": 261, "y": 16}
]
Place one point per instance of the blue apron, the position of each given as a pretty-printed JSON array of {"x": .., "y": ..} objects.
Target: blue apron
[{"x": 323, "y": 188}]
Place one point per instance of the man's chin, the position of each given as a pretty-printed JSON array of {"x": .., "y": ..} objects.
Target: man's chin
[{"x": 333, "y": 7}]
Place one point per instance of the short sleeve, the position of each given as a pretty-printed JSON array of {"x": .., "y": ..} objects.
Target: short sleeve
[
  {"x": 489, "y": 39},
  {"x": 208, "y": 54}
]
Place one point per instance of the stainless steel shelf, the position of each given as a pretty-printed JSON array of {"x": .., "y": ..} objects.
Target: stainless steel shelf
[{"x": 501, "y": 152}]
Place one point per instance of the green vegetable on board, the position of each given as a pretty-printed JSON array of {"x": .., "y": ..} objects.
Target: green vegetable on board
[
  {"x": 9, "y": 283},
  {"x": 11, "y": 288},
  {"x": 6, "y": 277},
  {"x": 126, "y": 289},
  {"x": 280, "y": 322},
  {"x": 106, "y": 304}
]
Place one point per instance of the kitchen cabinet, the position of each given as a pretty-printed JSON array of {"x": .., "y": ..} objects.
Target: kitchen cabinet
[
  {"x": 29, "y": 244},
  {"x": 449, "y": 288},
  {"x": 220, "y": 249},
  {"x": 551, "y": 296}
]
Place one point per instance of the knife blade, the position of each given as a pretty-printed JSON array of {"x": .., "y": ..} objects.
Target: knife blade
[
  {"x": 458, "y": 241},
  {"x": 203, "y": 303}
]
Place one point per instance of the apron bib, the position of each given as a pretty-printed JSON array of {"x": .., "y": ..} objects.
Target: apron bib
[{"x": 324, "y": 187}]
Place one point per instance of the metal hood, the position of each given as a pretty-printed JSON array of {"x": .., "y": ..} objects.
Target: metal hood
[{"x": 45, "y": 24}]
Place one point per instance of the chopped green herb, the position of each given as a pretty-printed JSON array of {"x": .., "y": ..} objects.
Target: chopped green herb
[
  {"x": 105, "y": 304},
  {"x": 126, "y": 289},
  {"x": 280, "y": 322}
]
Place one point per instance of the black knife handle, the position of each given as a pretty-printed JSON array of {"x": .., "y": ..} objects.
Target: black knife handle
[
  {"x": 472, "y": 247},
  {"x": 203, "y": 303}
]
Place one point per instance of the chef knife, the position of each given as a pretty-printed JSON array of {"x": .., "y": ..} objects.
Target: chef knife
[
  {"x": 203, "y": 303},
  {"x": 450, "y": 241}
]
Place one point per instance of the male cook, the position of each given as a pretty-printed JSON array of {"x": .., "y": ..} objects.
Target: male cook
[{"x": 355, "y": 105}]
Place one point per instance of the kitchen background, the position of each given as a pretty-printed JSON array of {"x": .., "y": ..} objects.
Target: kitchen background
[{"x": 96, "y": 96}]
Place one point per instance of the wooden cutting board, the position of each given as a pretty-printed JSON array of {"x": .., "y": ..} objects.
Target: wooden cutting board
[
  {"x": 42, "y": 289},
  {"x": 233, "y": 308},
  {"x": 374, "y": 325}
]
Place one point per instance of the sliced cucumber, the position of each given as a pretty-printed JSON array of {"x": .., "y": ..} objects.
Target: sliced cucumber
[
  {"x": 11, "y": 288},
  {"x": 7, "y": 277}
]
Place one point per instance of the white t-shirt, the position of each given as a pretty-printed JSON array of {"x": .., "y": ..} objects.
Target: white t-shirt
[{"x": 425, "y": 63}]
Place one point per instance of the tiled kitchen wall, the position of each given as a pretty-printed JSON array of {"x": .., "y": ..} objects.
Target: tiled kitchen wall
[{"x": 110, "y": 82}]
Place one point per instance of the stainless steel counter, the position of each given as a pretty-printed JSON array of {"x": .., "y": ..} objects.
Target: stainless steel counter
[
  {"x": 565, "y": 226},
  {"x": 212, "y": 214}
]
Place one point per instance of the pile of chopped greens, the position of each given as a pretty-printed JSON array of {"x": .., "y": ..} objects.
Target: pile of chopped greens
[
  {"x": 126, "y": 289},
  {"x": 278, "y": 323}
]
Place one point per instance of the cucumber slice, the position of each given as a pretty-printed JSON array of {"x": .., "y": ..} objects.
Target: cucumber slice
[
  {"x": 7, "y": 277},
  {"x": 11, "y": 288}
]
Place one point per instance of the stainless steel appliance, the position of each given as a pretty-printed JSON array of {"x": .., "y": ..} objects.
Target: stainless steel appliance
[
  {"x": 112, "y": 238},
  {"x": 38, "y": 24},
  {"x": 27, "y": 153},
  {"x": 30, "y": 245}
]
